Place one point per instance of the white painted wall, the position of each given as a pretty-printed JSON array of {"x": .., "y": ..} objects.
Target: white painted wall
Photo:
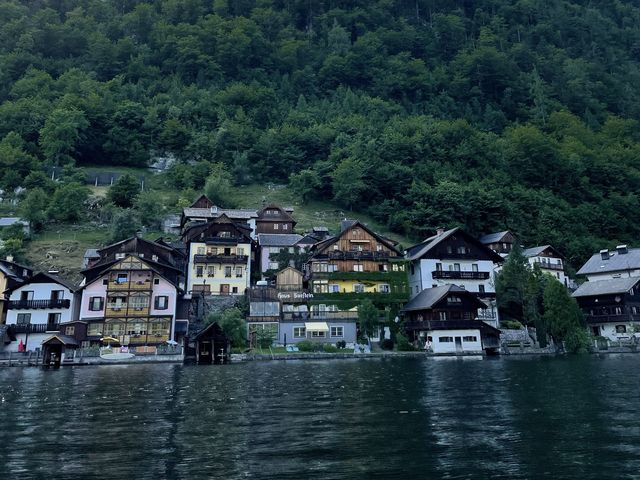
[
  {"x": 438, "y": 346},
  {"x": 41, "y": 291},
  {"x": 594, "y": 277}
]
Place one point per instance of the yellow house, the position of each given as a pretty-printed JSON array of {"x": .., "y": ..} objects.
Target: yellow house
[
  {"x": 219, "y": 257},
  {"x": 11, "y": 275}
]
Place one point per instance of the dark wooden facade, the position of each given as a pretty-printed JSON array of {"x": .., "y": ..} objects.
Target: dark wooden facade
[
  {"x": 274, "y": 219},
  {"x": 211, "y": 345},
  {"x": 612, "y": 308}
]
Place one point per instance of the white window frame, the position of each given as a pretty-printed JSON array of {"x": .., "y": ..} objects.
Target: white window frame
[{"x": 336, "y": 329}]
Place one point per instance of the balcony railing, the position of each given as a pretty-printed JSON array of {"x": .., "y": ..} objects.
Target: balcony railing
[
  {"x": 549, "y": 266},
  {"x": 445, "y": 324},
  {"x": 234, "y": 259},
  {"x": 623, "y": 318},
  {"x": 35, "y": 328},
  {"x": 458, "y": 275},
  {"x": 357, "y": 255},
  {"x": 311, "y": 316},
  {"x": 38, "y": 304}
]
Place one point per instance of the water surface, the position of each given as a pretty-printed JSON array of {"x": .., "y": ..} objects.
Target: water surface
[{"x": 511, "y": 418}]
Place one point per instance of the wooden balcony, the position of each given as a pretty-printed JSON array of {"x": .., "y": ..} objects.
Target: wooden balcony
[
  {"x": 130, "y": 285},
  {"x": 623, "y": 318},
  {"x": 358, "y": 255},
  {"x": 550, "y": 266},
  {"x": 222, "y": 259},
  {"x": 38, "y": 304},
  {"x": 459, "y": 275},
  {"x": 35, "y": 328},
  {"x": 126, "y": 311}
]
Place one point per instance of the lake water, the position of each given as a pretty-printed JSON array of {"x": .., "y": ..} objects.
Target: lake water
[{"x": 511, "y": 418}]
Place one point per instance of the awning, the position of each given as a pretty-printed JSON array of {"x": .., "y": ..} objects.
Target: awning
[{"x": 316, "y": 326}]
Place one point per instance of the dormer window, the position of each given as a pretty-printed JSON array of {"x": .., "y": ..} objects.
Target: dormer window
[{"x": 224, "y": 234}]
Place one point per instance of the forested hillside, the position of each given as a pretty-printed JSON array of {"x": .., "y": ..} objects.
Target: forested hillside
[{"x": 490, "y": 114}]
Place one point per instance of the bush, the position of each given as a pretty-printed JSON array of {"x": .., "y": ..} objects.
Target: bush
[
  {"x": 386, "y": 344},
  {"x": 341, "y": 344},
  {"x": 305, "y": 346},
  {"x": 403, "y": 343},
  {"x": 510, "y": 325},
  {"x": 577, "y": 341},
  {"x": 328, "y": 348}
]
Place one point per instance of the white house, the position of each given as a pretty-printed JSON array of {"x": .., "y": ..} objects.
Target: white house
[
  {"x": 622, "y": 262},
  {"x": 455, "y": 257},
  {"x": 549, "y": 260},
  {"x": 37, "y": 308}
]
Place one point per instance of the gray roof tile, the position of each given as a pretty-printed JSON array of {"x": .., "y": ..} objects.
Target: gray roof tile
[{"x": 606, "y": 287}]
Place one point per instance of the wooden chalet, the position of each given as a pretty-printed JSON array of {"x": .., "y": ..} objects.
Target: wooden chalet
[
  {"x": 499, "y": 242},
  {"x": 444, "y": 320},
  {"x": 275, "y": 219}
]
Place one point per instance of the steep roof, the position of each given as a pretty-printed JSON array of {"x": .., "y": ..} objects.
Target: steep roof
[
  {"x": 535, "y": 251},
  {"x": 46, "y": 277},
  {"x": 493, "y": 237},
  {"x": 606, "y": 287},
  {"x": 281, "y": 216},
  {"x": 615, "y": 262},
  {"x": 353, "y": 223},
  {"x": 134, "y": 243},
  {"x": 418, "y": 251},
  {"x": 278, "y": 240},
  {"x": 202, "y": 202},
  {"x": 429, "y": 297},
  {"x": 196, "y": 229},
  {"x": 215, "y": 212}
]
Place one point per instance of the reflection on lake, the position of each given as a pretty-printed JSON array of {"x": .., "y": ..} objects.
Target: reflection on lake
[{"x": 572, "y": 417}]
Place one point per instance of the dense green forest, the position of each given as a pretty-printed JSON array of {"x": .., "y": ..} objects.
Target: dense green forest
[{"x": 489, "y": 114}]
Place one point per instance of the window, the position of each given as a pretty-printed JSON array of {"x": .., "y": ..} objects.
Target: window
[
  {"x": 456, "y": 267},
  {"x": 161, "y": 302},
  {"x": 449, "y": 249},
  {"x": 70, "y": 330},
  {"x": 337, "y": 331},
  {"x": 382, "y": 267},
  {"x": 618, "y": 310},
  {"x": 445, "y": 339},
  {"x": 211, "y": 271},
  {"x": 378, "y": 248},
  {"x": 470, "y": 338},
  {"x": 238, "y": 272},
  {"x": 462, "y": 250},
  {"x": 438, "y": 267},
  {"x": 120, "y": 256},
  {"x": 239, "y": 251},
  {"x": 335, "y": 247},
  {"x": 355, "y": 232},
  {"x": 621, "y": 328},
  {"x": 227, "y": 272},
  {"x": 474, "y": 267},
  {"x": 385, "y": 288},
  {"x": 54, "y": 318},
  {"x": 276, "y": 226},
  {"x": 480, "y": 288},
  {"x": 318, "y": 334},
  {"x": 454, "y": 299},
  {"x": 334, "y": 288},
  {"x": 358, "y": 288},
  {"x": 200, "y": 251},
  {"x": 139, "y": 302},
  {"x": 96, "y": 304},
  {"x": 199, "y": 271},
  {"x": 26, "y": 295},
  {"x": 285, "y": 226},
  {"x": 299, "y": 332},
  {"x": 95, "y": 329},
  {"x": 358, "y": 267},
  {"x": 234, "y": 289},
  {"x": 156, "y": 281},
  {"x": 443, "y": 315},
  {"x": 57, "y": 294},
  {"x": 224, "y": 234},
  {"x": 105, "y": 281},
  {"x": 273, "y": 265},
  {"x": 394, "y": 267},
  {"x": 122, "y": 278},
  {"x": 23, "y": 319}
]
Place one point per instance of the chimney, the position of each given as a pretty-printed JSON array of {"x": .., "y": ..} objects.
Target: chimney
[
  {"x": 604, "y": 254},
  {"x": 440, "y": 230},
  {"x": 622, "y": 249},
  {"x": 9, "y": 258}
]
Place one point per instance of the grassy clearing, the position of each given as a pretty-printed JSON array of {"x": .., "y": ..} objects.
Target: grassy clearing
[
  {"x": 62, "y": 248},
  {"x": 315, "y": 213}
]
